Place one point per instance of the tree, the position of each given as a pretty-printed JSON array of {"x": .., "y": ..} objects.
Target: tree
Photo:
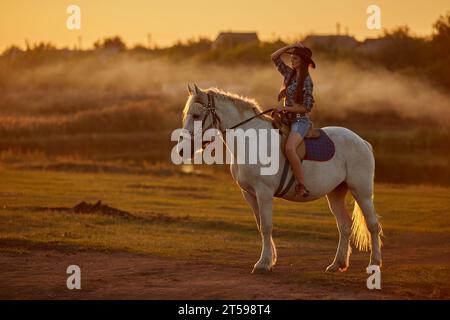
[
  {"x": 399, "y": 33},
  {"x": 111, "y": 43},
  {"x": 441, "y": 34},
  {"x": 402, "y": 49}
]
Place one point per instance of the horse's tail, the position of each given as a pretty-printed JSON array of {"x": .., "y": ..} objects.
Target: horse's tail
[{"x": 360, "y": 234}]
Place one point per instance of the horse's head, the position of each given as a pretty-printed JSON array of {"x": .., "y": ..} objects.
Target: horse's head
[{"x": 199, "y": 108}]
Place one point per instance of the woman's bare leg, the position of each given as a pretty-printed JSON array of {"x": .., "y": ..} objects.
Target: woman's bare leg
[{"x": 292, "y": 143}]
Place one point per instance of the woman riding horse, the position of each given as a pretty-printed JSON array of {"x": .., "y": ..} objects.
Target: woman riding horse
[{"x": 298, "y": 101}]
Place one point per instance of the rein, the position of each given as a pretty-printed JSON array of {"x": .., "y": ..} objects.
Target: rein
[
  {"x": 255, "y": 116},
  {"x": 211, "y": 110}
]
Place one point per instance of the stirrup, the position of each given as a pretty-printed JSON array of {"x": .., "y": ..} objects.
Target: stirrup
[{"x": 298, "y": 190}]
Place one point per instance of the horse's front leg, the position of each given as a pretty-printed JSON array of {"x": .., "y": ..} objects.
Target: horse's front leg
[
  {"x": 251, "y": 199},
  {"x": 268, "y": 252}
]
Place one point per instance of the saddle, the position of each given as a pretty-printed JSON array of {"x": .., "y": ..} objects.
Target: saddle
[{"x": 285, "y": 129}]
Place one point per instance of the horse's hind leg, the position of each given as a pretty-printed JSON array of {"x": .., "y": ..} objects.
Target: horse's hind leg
[
  {"x": 365, "y": 202},
  {"x": 336, "y": 202},
  {"x": 360, "y": 176}
]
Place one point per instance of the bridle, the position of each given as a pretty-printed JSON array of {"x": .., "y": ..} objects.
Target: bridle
[{"x": 210, "y": 109}]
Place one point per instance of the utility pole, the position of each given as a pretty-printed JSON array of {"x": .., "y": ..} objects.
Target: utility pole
[{"x": 149, "y": 40}]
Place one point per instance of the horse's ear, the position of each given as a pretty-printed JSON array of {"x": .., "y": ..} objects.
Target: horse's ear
[
  {"x": 189, "y": 89},
  {"x": 196, "y": 90}
]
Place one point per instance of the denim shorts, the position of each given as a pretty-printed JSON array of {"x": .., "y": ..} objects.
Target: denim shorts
[{"x": 301, "y": 125}]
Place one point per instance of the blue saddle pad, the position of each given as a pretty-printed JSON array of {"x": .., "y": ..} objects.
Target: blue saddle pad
[{"x": 319, "y": 149}]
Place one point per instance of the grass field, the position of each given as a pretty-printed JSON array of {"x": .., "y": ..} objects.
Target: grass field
[{"x": 181, "y": 218}]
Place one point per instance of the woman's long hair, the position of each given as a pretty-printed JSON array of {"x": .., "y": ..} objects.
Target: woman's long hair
[{"x": 300, "y": 82}]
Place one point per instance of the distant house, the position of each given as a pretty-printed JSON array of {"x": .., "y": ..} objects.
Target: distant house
[
  {"x": 373, "y": 45},
  {"x": 331, "y": 42},
  {"x": 232, "y": 39}
]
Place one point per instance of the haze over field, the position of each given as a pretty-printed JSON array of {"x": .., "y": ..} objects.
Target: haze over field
[{"x": 96, "y": 83}]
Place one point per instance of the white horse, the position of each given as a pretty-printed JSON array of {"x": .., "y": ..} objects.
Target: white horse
[{"x": 351, "y": 168}]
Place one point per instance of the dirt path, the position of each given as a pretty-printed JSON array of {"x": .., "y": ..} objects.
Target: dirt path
[
  {"x": 415, "y": 267},
  {"x": 41, "y": 275}
]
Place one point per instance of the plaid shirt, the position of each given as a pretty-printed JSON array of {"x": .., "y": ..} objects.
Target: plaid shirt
[{"x": 286, "y": 71}]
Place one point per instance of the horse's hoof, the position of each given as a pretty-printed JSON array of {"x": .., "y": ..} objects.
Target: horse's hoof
[
  {"x": 336, "y": 268},
  {"x": 261, "y": 270}
]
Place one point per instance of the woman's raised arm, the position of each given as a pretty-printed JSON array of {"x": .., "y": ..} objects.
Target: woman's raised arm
[
  {"x": 280, "y": 51},
  {"x": 281, "y": 66}
]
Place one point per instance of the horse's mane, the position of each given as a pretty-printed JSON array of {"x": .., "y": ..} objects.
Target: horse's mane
[{"x": 241, "y": 102}]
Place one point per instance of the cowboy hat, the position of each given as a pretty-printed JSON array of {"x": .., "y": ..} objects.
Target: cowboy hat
[{"x": 303, "y": 52}]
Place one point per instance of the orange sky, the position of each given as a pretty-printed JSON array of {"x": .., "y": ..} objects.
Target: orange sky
[{"x": 171, "y": 20}]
